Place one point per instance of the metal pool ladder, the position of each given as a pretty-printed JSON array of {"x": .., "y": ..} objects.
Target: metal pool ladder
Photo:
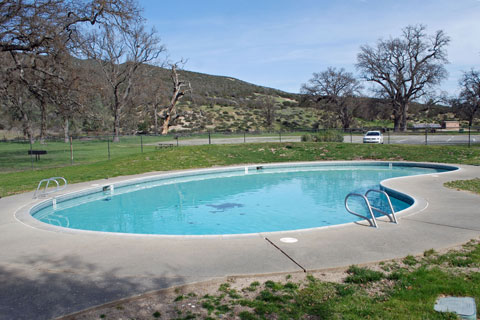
[
  {"x": 43, "y": 191},
  {"x": 371, "y": 219}
]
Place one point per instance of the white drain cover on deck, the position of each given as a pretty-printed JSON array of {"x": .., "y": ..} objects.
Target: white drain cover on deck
[{"x": 289, "y": 240}]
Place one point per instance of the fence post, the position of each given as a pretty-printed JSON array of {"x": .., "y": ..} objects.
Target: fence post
[
  {"x": 31, "y": 153},
  {"x": 351, "y": 135},
  {"x": 209, "y": 138},
  {"x": 71, "y": 150},
  {"x": 176, "y": 137},
  {"x": 426, "y": 136},
  {"x": 108, "y": 145},
  {"x": 280, "y": 135},
  {"x": 141, "y": 143},
  {"x": 388, "y": 133},
  {"x": 244, "y": 137}
]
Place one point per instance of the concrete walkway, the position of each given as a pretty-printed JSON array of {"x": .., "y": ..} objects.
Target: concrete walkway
[{"x": 46, "y": 274}]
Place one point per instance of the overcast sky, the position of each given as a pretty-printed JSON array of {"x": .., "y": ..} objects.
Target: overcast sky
[{"x": 280, "y": 43}]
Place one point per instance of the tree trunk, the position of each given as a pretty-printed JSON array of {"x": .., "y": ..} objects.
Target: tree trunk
[
  {"x": 27, "y": 128},
  {"x": 155, "y": 117},
  {"x": 396, "y": 119},
  {"x": 166, "y": 125},
  {"x": 345, "y": 118},
  {"x": 116, "y": 125},
  {"x": 404, "y": 117},
  {"x": 43, "y": 123},
  {"x": 65, "y": 130}
]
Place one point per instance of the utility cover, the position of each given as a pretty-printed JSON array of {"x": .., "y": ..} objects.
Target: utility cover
[{"x": 465, "y": 307}]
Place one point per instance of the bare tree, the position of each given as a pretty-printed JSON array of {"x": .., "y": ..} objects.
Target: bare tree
[
  {"x": 16, "y": 98},
  {"x": 120, "y": 51},
  {"x": 405, "y": 68},
  {"x": 336, "y": 88},
  {"x": 33, "y": 25},
  {"x": 36, "y": 32},
  {"x": 468, "y": 102},
  {"x": 180, "y": 88},
  {"x": 69, "y": 93},
  {"x": 269, "y": 110}
]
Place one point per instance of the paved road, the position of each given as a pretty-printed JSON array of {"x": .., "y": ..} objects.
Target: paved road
[
  {"x": 420, "y": 139},
  {"x": 394, "y": 139}
]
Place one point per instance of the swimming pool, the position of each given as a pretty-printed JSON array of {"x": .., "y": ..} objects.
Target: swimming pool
[{"x": 240, "y": 200}]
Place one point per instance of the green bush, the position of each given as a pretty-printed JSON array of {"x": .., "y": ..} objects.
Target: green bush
[
  {"x": 330, "y": 136},
  {"x": 324, "y": 136},
  {"x": 307, "y": 138}
]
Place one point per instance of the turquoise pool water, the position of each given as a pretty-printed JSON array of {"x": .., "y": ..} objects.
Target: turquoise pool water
[{"x": 233, "y": 202}]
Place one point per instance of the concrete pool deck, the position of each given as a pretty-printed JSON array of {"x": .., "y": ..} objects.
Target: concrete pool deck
[{"x": 46, "y": 274}]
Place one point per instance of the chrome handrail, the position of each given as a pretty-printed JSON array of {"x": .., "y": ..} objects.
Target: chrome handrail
[
  {"x": 373, "y": 221},
  {"x": 392, "y": 218},
  {"x": 44, "y": 191}
]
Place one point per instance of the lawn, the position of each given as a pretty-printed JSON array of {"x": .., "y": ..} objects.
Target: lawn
[
  {"x": 472, "y": 185},
  {"x": 14, "y": 155},
  {"x": 187, "y": 157}
]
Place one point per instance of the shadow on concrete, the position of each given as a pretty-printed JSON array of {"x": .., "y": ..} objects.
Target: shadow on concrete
[{"x": 44, "y": 289}]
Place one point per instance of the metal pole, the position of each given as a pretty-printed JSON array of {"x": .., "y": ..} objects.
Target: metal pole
[
  {"x": 176, "y": 137},
  {"x": 141, "y": 142},
  {"x": 244, "y": 137},
  {"x": 31, "y": 153},
  {"x": 280, "y": 135},
  {"x": 209, "y": 138},
  {"x": 426, "y": 136},
  {"x": 108, "y": 144},
  {"x": 71, "y": 150},
  {"x": 351, "y": 136},
  {"x": 388, "y": 133}
]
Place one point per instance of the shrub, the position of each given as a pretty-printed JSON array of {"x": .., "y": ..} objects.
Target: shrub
[
  {"x": 307, "y": 138},
  {"x": 329, "y": 136},
  {"x": 324, "y": 136}
]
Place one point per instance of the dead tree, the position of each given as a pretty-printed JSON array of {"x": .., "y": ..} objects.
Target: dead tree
[
  {"x": 405, "y": 68},
  {"x": 180, "y": 88}
]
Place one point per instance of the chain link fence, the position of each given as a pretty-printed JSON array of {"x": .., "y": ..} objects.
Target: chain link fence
[{"x": 19, "y": 155}]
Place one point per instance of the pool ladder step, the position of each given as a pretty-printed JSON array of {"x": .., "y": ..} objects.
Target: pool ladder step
[{"x": 371, "y": 219}]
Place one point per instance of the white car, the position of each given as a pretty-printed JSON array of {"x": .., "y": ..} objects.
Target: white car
[{"x": 373, "y": 137}]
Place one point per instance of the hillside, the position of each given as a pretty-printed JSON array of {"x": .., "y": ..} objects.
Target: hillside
[
  {"x": 219, "y": 103},
  {"x": 216, "y": 103}
]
